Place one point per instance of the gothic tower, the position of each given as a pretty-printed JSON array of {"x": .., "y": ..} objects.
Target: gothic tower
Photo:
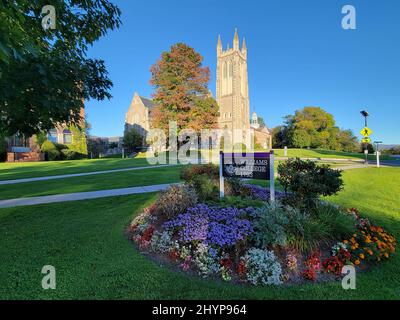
[{"x": 232, "y": 89}]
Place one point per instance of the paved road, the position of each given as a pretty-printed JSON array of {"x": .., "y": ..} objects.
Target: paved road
[
  {"x": 5, "y": 182},
  {"x": 81, "y": 196}
]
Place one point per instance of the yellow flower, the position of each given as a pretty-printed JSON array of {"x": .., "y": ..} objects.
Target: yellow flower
[{"x": 362, "y": 256}]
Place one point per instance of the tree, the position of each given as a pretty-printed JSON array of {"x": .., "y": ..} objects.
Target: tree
[
  {"x": 181, "y": 92},
  {"x": 132, "y": 140},
  {"x": 45, "y": 75},
  {"x": 301, "y": 139},
  {"x": 261, "y": 122},
  {"x": 313, "y": 127}
]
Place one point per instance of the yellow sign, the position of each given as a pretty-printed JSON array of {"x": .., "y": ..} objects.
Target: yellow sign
[
  {"x": 366, "y": 140},
  {"x": 366, "y": 132}
]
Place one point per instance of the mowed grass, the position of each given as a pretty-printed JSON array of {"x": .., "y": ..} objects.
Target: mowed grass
[
  {"x": 85, "y": 241},
  {"x": 20, "y": 170},
  {"x": 318, "y": 153},
  {"x": 127, "y": 179}
]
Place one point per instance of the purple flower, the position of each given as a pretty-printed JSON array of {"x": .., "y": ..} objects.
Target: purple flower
[
  {"x": 212, "y": 225},
  {"x": 260, "y": 193}
]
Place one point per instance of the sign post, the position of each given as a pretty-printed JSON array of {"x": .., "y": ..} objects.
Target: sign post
[
  {"x": 221, "y": 175},
  {"x": 272, "y": 176},
  {"x": 258, "y": 166}
]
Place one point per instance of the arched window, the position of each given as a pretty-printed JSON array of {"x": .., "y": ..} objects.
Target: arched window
[
  {"x": 67, "y": 136},
  {"x": 52, "y": 136}
]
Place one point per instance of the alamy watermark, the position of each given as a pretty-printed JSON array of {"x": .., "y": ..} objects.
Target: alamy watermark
[
  {"x": 349, "y": 21},
  {"x": 49, "y": 20},
  {"x": 49, "y": 280}
]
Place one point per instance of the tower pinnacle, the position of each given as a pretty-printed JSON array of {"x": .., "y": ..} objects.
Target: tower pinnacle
[
  {"x": 236, "y": 40},
  {"x": 219, "y": 46}
]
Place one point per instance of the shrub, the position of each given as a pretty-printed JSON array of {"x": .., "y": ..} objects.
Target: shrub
[
  {"x": 262, "y": 267},
  {"x": 68, "y": 154},
  {"x": 206, "y": 188},
  {"x": 269, "y": 225},
  {"x": 305, "y": 181},
  {"x": 341, "y": 224},
  {"x": 314, "y": 233},
  {"x": 210, "y": 170},
  {"x": 50, "y": 149},
  {"x": 176, "y": 200}
]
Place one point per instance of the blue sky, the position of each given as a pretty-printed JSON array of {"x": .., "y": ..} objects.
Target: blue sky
[{"x": 298, "y": 55}]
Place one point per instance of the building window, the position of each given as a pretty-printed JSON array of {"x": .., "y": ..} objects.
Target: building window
[
  {"x": 52, "y": 136},
  {"x": 67, "y": 136}
]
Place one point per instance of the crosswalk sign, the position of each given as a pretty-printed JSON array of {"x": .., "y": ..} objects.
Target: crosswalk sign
[
  {"x": 366, "y": 132},
  {"x": 366, "y": 140}
]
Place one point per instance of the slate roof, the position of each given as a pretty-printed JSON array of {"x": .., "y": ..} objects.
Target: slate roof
[{"x": 148, "y": 103}]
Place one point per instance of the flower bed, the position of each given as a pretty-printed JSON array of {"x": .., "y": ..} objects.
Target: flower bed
[{"x": 243, "y": 239}]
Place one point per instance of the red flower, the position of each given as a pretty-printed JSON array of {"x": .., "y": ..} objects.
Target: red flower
[
  {"x": 147, "y": 234},
  {"x": 309, "y": 274},
  {"x": 333, "y": 265},
  {"x": 226, "y": 262},
  {"x": 314, "y": 261},
  {"x": 241, "y": 269},
  {"x": 173, "y": 255}
]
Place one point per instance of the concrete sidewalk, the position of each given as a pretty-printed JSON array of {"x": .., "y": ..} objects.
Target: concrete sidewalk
[
  {"x": 72, "y": 175},
  {"x": 81, "y": 196}
]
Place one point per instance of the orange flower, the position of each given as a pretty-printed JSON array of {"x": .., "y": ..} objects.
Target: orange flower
[
  {"x": 357, "y": 262},
  {"x": 362, "y": 257}
]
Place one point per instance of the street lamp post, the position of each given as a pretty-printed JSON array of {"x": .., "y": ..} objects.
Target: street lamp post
[{"x": 365, "y": 114}]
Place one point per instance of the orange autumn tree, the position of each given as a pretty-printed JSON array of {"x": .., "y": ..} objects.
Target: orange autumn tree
[{"x": 182, "y": 94}]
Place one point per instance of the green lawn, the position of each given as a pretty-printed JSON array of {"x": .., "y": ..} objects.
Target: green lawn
[
  {"x": 86, "y": 244},
  {"x": 104, "y": 181},
  {"x": 20, "y": 170},
  {"x": 316, "y": 153}
]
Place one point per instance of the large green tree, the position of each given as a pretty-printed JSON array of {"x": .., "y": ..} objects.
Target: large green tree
[
  {"x": 45, "y": 74},
  {"x": 313, "y": 127},
  {"x": 181, "y": 84}
]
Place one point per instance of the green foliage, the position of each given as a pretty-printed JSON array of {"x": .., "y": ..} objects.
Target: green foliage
[
  {"x": 79, "y": 141},
  {"x": 3, "y": 148},
  {"x": 176, "y": 200},
  {"x": 313, "y": 127},
  {"x": 301, "y": 139},
  {"x": 206, "y": 188},
  {"x": 304, "y": 181},
  {"x": 40, "y": 138},
  {"x": 341, "y": 224},
  {"x": 132, "y": 140},
  {"x": 50, "y": 149},
  {"x": 205, "y": 180},
  {"x": 190, "y": 172},
  {"x": 310, "y": 236},
  {"x": 269, "y": 225},
  {"x": 68, "y": 154},
  {"x": 47, "y": 74}
]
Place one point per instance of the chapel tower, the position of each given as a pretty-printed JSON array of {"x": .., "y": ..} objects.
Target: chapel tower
[{"x": 232, "y": 89}]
